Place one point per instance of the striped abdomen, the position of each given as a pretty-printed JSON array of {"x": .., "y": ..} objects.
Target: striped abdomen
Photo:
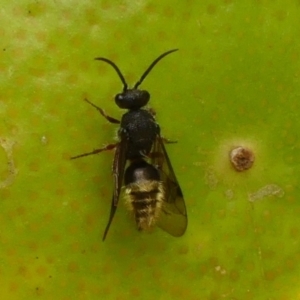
[{"x": 145, "y": 200}]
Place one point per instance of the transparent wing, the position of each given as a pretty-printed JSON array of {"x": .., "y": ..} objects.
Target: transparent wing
[
  {"x": 173, "y": 218},
  {"x": 118, "y": 173}
]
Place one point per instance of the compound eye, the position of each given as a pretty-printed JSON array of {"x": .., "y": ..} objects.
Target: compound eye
[
  {"x": 145, "y": 97},
  {"x": 119, "y": 99}
]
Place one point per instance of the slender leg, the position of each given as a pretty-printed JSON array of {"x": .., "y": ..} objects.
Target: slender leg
[
  {"x": 108, "y": 147},
  {"x": 167, "y": 141},
  {"x": 108, "y": 118}
]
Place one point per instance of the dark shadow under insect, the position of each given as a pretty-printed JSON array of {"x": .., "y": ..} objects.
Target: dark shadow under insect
[{"x": 152, "y": 191}]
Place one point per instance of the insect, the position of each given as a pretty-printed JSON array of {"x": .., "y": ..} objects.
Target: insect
[{"x": 152, "y": 191}]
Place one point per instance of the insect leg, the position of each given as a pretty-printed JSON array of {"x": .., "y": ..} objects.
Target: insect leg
[
  {"x": 108, "y": 118},
  {"x": 108, "y": 147},
  {"x": 167, "y": 141}
]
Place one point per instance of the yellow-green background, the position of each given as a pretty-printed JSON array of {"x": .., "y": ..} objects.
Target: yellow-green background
[{"x": 235, "y": 81}]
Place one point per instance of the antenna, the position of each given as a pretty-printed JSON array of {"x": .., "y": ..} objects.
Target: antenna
[
  {"x": 117, "y": 70},
  {"x": 152, "y": 65},
  {"x": 125, "y": 86}
]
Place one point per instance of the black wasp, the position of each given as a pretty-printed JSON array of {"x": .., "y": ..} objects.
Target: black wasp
[{"x": 152, "y": 191}]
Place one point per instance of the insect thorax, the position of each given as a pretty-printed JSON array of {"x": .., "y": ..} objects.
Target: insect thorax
[{"x": 141, "y": 130}]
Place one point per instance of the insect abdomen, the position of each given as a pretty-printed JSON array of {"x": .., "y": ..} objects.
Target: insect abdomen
[{"x": 145, "y": 200}]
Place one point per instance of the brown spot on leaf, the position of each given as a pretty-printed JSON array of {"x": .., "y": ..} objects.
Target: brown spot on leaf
[{"x": 241, "y": 158}]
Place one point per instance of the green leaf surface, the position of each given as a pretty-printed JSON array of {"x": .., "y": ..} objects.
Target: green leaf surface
[{"x": 234, "y": 82}]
